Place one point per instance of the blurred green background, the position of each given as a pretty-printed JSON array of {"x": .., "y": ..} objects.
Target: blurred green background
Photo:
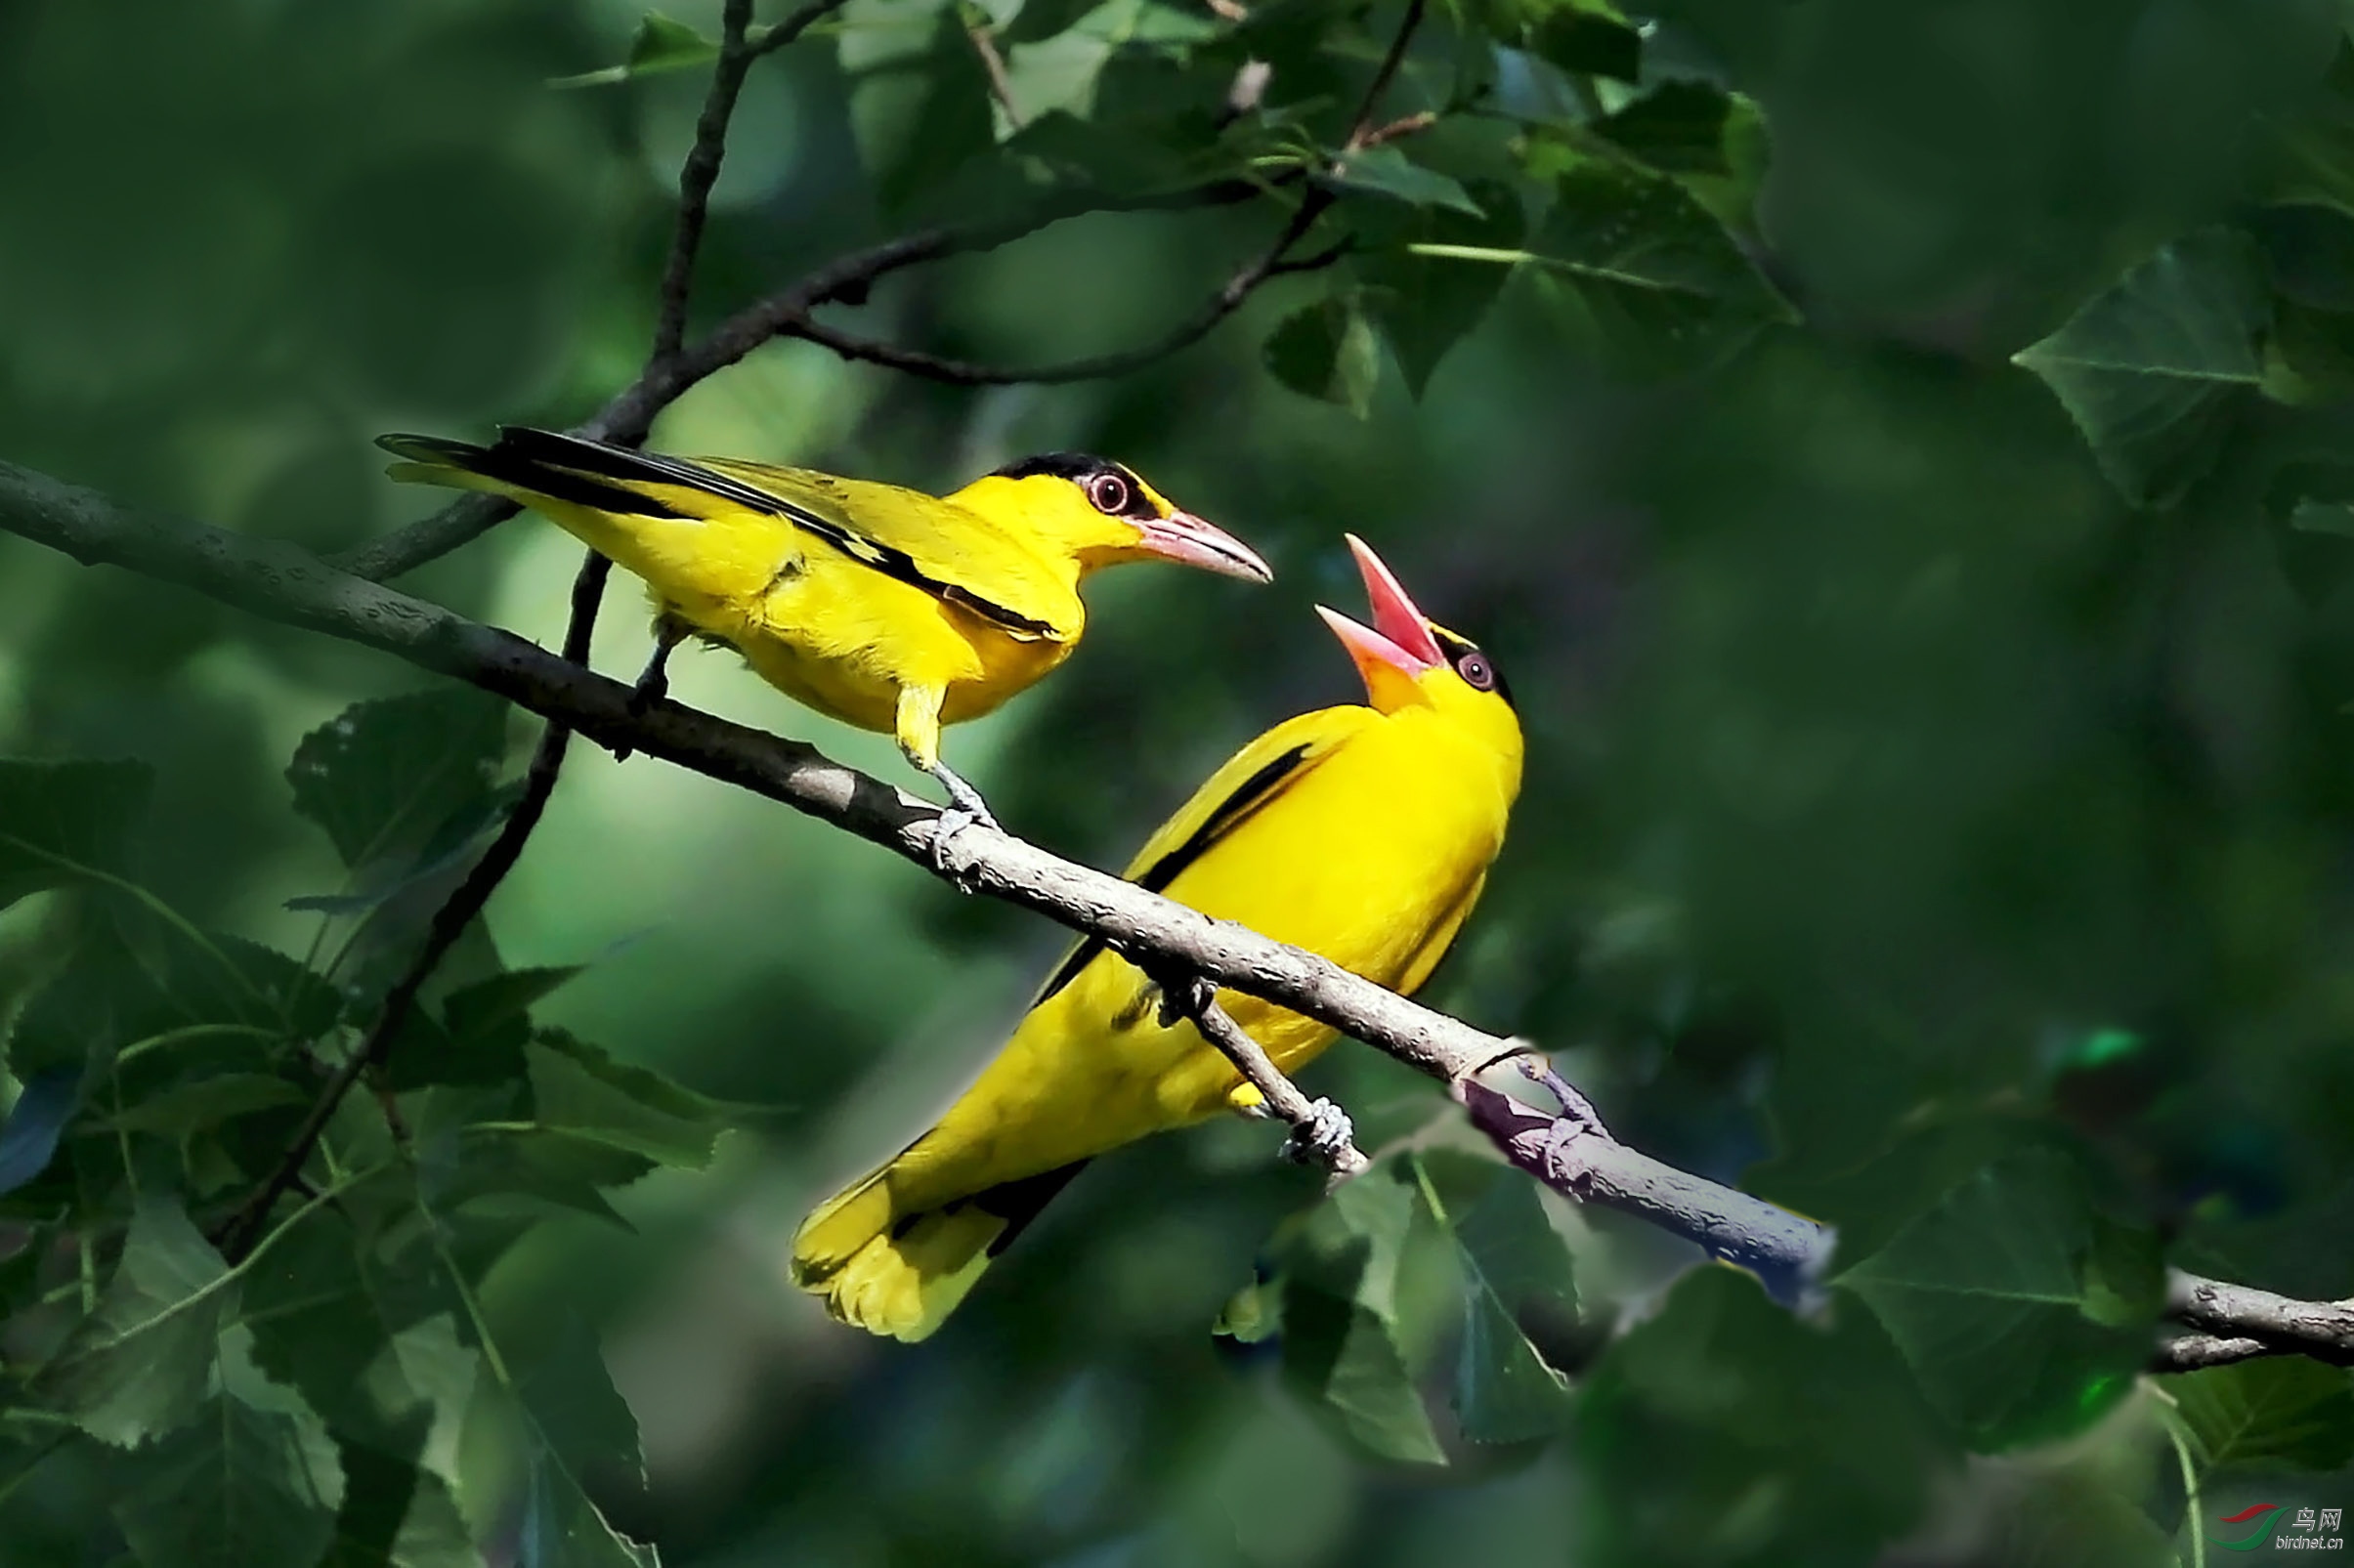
[{"x": 1883, "y": 762}]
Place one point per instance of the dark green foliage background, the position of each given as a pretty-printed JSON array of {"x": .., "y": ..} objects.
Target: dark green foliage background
[{"x": 1938, "y": 813}]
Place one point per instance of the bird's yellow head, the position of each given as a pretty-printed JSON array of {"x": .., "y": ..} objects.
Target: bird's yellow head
[
  {"x": 1100, "y": 512},
  {"x": 1410, "y": 662}
]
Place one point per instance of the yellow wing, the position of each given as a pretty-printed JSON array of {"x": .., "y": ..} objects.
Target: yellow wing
[
  {"x": 1237, "y": 791},
  {"x": 945, "y": 550}
]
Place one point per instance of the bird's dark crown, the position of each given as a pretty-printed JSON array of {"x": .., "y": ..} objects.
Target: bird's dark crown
[{"x": 1080, "y": 468}]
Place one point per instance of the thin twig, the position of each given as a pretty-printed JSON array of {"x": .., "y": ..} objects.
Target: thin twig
[
  {"x": 1270, "y": 264},
  {"x": 449, "y": 923},
  {"x": 698, "y": 174},
  {"x": 793, "y": 26},
  {"x": 1362, "y": 126},
  {"x": 465, "y": 903},
  {"x": 992, "y": 65},
  {"x": 1192, "y": 998},
  {"x": 1566, "y": 1148}
]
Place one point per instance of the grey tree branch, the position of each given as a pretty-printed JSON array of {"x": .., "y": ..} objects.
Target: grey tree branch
[
  {"x": 2237, "y": 1315},
  {"x": 1569, "y": 1149}
]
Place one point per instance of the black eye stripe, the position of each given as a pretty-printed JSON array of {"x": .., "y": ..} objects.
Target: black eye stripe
[{"x": 1479, "y": 671}]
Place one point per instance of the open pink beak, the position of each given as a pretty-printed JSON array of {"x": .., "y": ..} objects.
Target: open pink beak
[
  {"x": 1399, "y": 641},
  {"x": 1182, "y": 537}
]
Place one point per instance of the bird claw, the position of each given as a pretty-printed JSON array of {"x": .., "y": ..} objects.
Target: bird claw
[
  {"x": 966, "y": 809},
  {"x": 1320, "y": 1139},
  {"x": 652, "y": 685},
  {"x": 1188, "y": 997}
]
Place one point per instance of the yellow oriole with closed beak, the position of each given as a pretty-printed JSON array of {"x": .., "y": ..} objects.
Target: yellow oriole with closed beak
[
  {"x": 1363, "y": 833},
  {"x": 885, "y": 608}
]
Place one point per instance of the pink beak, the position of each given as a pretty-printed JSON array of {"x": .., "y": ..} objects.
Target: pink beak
[
  {"x": 1182, "y": 537},
  {"x": 1399, "y": 640}
]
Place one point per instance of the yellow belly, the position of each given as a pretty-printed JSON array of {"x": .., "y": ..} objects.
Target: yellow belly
[
  {"x": 845, "y": 639},
  {"x": 1371, "y": 860}
]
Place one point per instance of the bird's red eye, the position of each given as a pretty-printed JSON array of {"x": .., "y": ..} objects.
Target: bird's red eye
[
  {"x": 1109, "y": 493},
  {"x": 1476, "y": 672}
]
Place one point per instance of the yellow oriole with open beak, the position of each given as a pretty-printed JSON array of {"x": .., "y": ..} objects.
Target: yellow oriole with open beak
[
  {"x": 881, "y": 607},
  {"x": 1361, "y": 833}
]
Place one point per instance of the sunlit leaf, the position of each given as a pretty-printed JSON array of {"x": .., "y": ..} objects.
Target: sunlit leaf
[
  {"x": 660, "y": 44},
  {"x": 2153, "y": 368},
  {"x": 1387, "y": 170},
  {"x": 1340, "y": 1312}
]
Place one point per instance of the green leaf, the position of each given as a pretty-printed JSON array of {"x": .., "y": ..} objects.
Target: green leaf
[
  {"x": 1513, "y": 1264},
  {"x": 1039, "y": 19},
  {"x": 660, "y": 44},
  {"x": 1640, "y": 274},
  {"x": 1730, "y": 1434},
  {"x": 2308, "y": 157},
  {"x": 2023, "y": 1311},
  {"x": 480, "y": 1035},
  {"x": 1389, "y": 171},
  {"x": 63, "y": 822},
  {"x": 1327, "y": 352},
  {"x": 1588, "y": 42},
  {"x": 1426, "y": 305},
  {"x": 1340, "y": 1313},
  {"x": 385, "y": 777},
  {"x": 177, "y": 1007},
  {"x": 140, "y": 1364},
  {"x": 2070, "y": 1521},
  {"x": 397, "y": 1514},
  {"x": 2153, "y": 368},
  {"x": 237, "y": 1488},
  {"x": 557, "y": 1405},
  {"x": 207, "y": 1102},
  {"x": 1344, "y": 1356},
  {"x": 579, "y": 1090},
  {"x": 1678, "y": 127},
  {"x": 559, "y": 1373},
  {"x": 919, "y": 103},
  {"x": 2272, "y": 1413}
]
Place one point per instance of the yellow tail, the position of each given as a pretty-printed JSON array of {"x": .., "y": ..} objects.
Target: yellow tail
[{"x": 901, "y": 1272}]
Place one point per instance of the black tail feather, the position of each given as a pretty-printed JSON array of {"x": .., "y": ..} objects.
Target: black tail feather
[{"x": 549, "y": 465}]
